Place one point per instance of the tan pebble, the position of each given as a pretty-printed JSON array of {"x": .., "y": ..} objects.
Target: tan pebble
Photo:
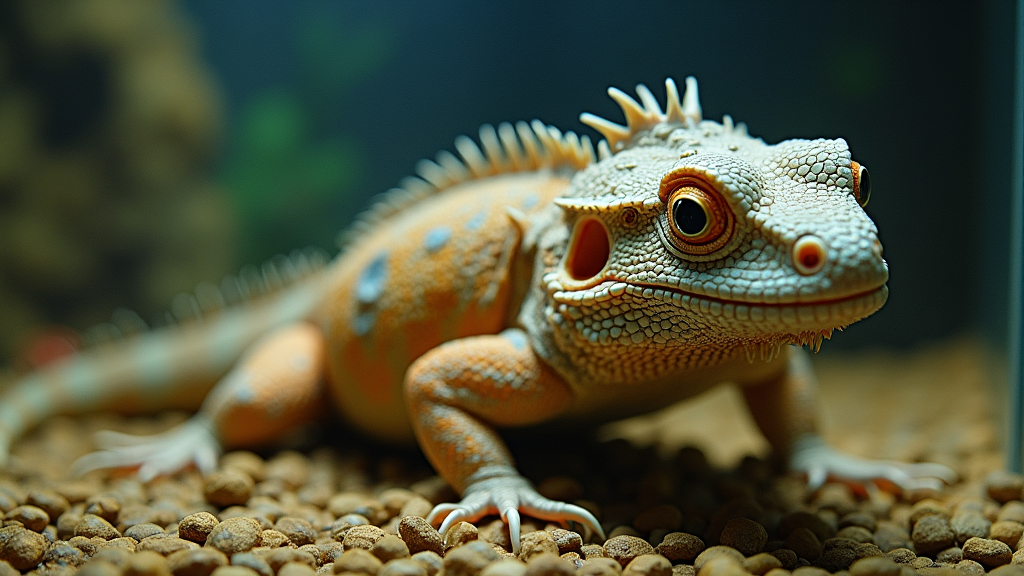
[
  {"x": 419, "y": 535},
  {"x": 430, "y": 560},
  {"x": 416, "y": 506},
  {"x": 253, "y": 562},
  {"x": 680, "y": 547},
  {"x": 875, "y": 566},
  {"x": 921, "y": 562},
  {"x": 803, "y": 541},
  {"x": 402, "y": 567},
  {"x": 950, "y": 555},
  {"x": 664, "y": 516},
  {"x": 296, "y": 569},
  {"x": 234, "y": 571},
  {"x": 93, "y": 568},
  {"x": 66, "y": 525},
  {"x": 357, "y": 503},
  {"x": 1003, "y": 486},
  {"x": 623, "y": 549},
  {"x": 459, "y": 534},
  {"x": 745, "y": 535},
  {"x": 92, "y": 526},
  {"x": 588, "y": 551},
  {"x": 505, "y": 567},
  {"x": 566, "y": 540},
  {"x": 49, "y": 500},
  {"x": 988, "y": 553},
  {"x": 786, "y": 556},
  {"x": 714, "y": 552},
  {"x": 901, "y": 555},
  {"x": 298, "y": 530},
  {"x": 1008, "y": 570},
  {"x": 688, "y": 570},
  {"x": 809, "y": 571},
  {"x": 548, "y": 564},
  {"x": 928, "y": 507},
  {"x": 278, "y": 557},
  {"x": 760, "y": 564},
  {"x": 63, "y": 553},
  {"x": 228, "y": 487},
  {"x": 196, "y": 527},
  {"x": 856, "y": 533},
  {"x": 968, "y": 524},
  {"x": 837, "y": 498},
  {"x": 389, "y": 548},
  {"x": 32, "y": 517},
  {"x": 124, "y": 542},
  {"x": 573, "y": 558},
  {"x": 357, "y": 560},
  {"x": 103, "y": 505},
  {"x": 142, "y": 531},
  {"x": 22, "y": 548},
  {"x": 970, "y": 567},
  {"x": 289, "y": 467},
  {"x": 836, "y": 559},
  {"x": 861, "y": 519},
  {"x": 1007, "y": 531},
  {"x": 496, "y": 532},
  {"x": 469, "y": 559},
  {"x": 599, "y": 566},
  {"x": 89, "y": 546},
  {"x": 146, "y": 563},
  {"x": 362, "y": 537},
  {"x": 394, "y": 499},
  {"x": 537, "y": 543},
  {"x": 1012, "y": 510},
  {"x": 245, "y": 461},
  {"x": 198, "y": 562},
  {"x": 272, "y": 539},
  {"x": 315, "y": 551},
  {"x": 165, "y": 544},
  {"x": 821, "y": 529},
  {"x": 888, "y": 536},
  {"x": 721, "y": 565},
  {"x": 931, "y": 534},
  {"x": 1018, "y": 557},
  {"x": 234, "y": 535}
]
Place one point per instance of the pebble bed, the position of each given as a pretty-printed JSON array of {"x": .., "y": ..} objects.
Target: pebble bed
[{"x": 330, "y": 512}]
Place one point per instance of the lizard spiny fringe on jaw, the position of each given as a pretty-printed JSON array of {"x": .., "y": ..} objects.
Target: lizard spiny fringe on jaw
[
  {"x": 767, "y": 351},
  {"x": 519, "y": 148},
  {"x": 645, "y": 116}
]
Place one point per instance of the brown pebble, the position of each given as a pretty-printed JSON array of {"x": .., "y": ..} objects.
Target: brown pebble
[
  {"x": 32, "y": 517},
  {"x": 146, "y": 563},
  {"x": 419, "y": 535},
  {"x": 21, "y": 547},
  {"x": 298, "y": 530},
  {"x": 1003, "y": 486},
  {"x": 714, "y": 552},
  {"x": 745, "y": 535},
  {"x": 680, "y": 547},
  {"x": 235, "y": 535},
  {"x": 357, "y": 503},
  {"x": 278, "y": 557},
  {"x": 760, "y": 564},
  {"x": 123, "y": 542},
  {"x": 901, "y": 555},
  {"x": 921, "y": 562},
  {"x": 803, "y": 541},
  {"x": 548, "y": 564},
  {"x": 63, "y": 553},
  {"x": 687, "y": 570},
  {"x": 599, "y": 566},
  {"x": 197, "y": 527},
  {"x": 469, "y": 559},
  {"x": 536, "y": 543},
  {"x": 856, "y": 533},
  {"x": 196, "y": 562},
  {"x": 1012, "y": 510},
  {"x": 1007, "y": 531},
  {"x": 402, "y": 567},
  {"x": 931, "y": 534},
  {"x": 888, "y": 536},
  {"x": 431, "y": 561},
  {"x": 103, "y": 505},
  {"x": 875, "y": 566},
  {"x": 253, "y": 562},
  {"x": 988, "y": 553},
  {"x": 416, "y": 506},
  {"x": 234, "y": 571},
  {"x": 623, "y": 549},
  {"x": 970, "y": 567},
  {"x": 142, "y": 531},
  {"x": 390, "y": 548},
  {"x": 649, "y": 565},
  {"x": 296, "y": 569},
  {"x": 50, "y": 501},
  {"x": 821, "y": 529},
  {"x": 862, "y": 519},
  {"x": 950, "y": 555},
  {"x": 165, "y": 544},
  {"x": 459, "y": 534},
  {"x": 969, "y": 524},
  {"x": 721, "y": 566},
  {"x": 566, "y": 540},
  {"x": 89, "y": 546},
  {"x": 228, "y": 487},
  {"x": 272, "y": 539},
  {"x": 787, "y": 557},
  {"x": 928, "y": 507},
  {"x": 836, "y": 559},
  {"x": 92, "y": 526},
  {"x": 362, "y": 537}
]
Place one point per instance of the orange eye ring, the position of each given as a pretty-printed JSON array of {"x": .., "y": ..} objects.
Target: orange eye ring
[
  {"x": 861, "y": 183},
  {"x": 698, "y": 217}
]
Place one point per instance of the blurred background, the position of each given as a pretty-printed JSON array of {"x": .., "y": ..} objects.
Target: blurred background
[{"x": 146, "y": 146}]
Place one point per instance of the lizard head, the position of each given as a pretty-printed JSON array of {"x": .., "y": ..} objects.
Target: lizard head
[{"x": 690, "y": 233}]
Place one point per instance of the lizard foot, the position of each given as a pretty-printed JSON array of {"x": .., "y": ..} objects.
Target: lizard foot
[
  {"x": 818, "y": 460},
  {"x": 193, "y": 442},
  {"x": 508, "y": 496}
]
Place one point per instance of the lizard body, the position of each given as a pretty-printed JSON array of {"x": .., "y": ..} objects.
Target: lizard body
[{"x": 524, "y": 282}]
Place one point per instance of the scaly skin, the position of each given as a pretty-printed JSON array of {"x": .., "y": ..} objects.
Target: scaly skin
[{"x": 525, "y": 283}]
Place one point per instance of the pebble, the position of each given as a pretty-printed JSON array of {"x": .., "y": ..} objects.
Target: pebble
[
  {"x": 988, "y": 553},
  {"x": 228, "y": 487},
  {"x": 536, "y": 543},
  {"x": 63, "y": 553},
  {"x": 1006, "y": 531},
  {"x": 49, "y": 500},
  {"x": 235, "y": 535},
  {"x": 567, "y": 540},
  {"x": 296, "y": 569},
  {"x": 404, "y": 567},
  {"x": 469, "y": 559},
  {"x": 969, "y": 524},
  {"x": 1004, "y": 486},
  {"x": 807, "y": 520},
  {"x": 104, "y": 506},
  {"x": 22, "y": 548},
  {"x": 505, "y": 567},
  {"x": 32, "y": 517},
  {"x": 787, "y": 557},
  {"x": 875, "y": 566},
  {"x": 165, "y": 545},
  {"x": 714, "y": 552},
  {"x": 931, "y": 534},
  {"x": 92, "y": 526},
  {"x": 234, "y": 571},
  {"x": 430, "y": 560},
  {"x": 459, "y": 534},
  {"x": 760, "y": 564},
  {"x": 419, "y": 535},
  {"x": 662, "y": 516},
  {"x": 1012, "y": 510},
  {"x": 950, "y": 555},
  {"x": 196, "y": 527},
  {"x": 278, "y": 557},
  {"x": 362, "y": 537},
  {"x": 390, "y": 548},
  {"x": 862, "y": 519},
  {"x": 197, "y": 562},
  {"x": 272, "y": 539},
  {"x": 142, "y": 531},
  {"x": 548, "y": 564},
  {"x": 146, "y": 563},
  {"x": 599, "y": 566},
  {"x": 803, "y": 541},
  {"x": 680, "y": 547},
  {"x": 252, "y": 562},
  {"x": 416, "y": 506},
  {"x": 298, "y": 530},
  {"x": 856, "y": 533},
  {"x": 970, "y": 567},
  {"x": 744, "y": 535},
  {"x": 624, "y": 549},
  {"x": 246, "y": 462},
  {"x": 89, "y": 546}
]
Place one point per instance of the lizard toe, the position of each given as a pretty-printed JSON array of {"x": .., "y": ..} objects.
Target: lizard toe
[{"x": 190, "y": 443}]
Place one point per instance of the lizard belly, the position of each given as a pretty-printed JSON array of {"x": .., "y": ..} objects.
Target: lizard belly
[{"x": 440, "y": 269}]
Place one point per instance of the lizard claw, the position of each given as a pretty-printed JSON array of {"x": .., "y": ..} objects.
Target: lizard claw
[
  {"x": 508, "y": 496},
  {"x": 818, "y": 460},
  {"x": 193, "y": 442}
]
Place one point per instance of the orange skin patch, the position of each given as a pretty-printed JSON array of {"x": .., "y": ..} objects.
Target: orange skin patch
[{"x": 438, "y": 271}]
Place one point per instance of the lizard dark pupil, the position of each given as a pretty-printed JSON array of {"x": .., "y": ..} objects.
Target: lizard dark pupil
[
  {"x": 689, "y": 216},
  {"x": 865, "y": 184}
]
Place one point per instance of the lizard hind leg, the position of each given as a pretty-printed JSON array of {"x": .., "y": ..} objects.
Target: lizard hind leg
[{"x": 278, "y": 385}]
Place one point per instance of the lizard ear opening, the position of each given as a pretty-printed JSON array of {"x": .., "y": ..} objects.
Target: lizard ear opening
[{"x": 589, "y": 250}]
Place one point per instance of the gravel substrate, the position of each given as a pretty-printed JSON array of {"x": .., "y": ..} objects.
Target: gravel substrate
[{"x": 344, "y": 511}]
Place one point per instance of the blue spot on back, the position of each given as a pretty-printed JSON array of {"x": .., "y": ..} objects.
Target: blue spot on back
[
  {"x": 478, "y": 219},
  {"x": 530, "y": 200},
  {"x": 436, "y": 238},
  {"x": 362, "y": 324},
  {"x": 370, "y": 284},
  {"x": 516, "y": 337}
]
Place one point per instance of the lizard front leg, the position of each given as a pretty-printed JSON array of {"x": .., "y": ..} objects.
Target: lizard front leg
[
  {"x": 785, "y": 408},
  {"x": 456, "y": 394}
]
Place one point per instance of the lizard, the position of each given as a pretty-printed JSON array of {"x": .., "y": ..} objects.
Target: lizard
[{"x": 534, "y": 280}]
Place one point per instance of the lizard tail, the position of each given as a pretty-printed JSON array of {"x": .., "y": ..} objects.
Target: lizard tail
[{"x": 170, "y": 367}]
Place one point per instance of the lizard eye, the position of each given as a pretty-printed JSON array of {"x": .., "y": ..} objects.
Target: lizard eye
[
  {"x": 861, "y": 183},
  {"x": 699, "y": 218}
]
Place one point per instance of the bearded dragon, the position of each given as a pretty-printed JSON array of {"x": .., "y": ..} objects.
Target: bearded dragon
[{"x": 531, "y": 280}]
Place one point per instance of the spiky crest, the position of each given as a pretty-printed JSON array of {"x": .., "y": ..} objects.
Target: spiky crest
[{"x": 646, "y": 115}]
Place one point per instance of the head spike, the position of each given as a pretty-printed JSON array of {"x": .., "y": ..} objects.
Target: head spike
[
  {"x": 727, "y": 123},
  {"x": 673, "y": 108},
  {"x": 691, "y": 101},
  {"x": 603, "y": 151},
  {"x": 649, "y": 101},
  {"x": 613, "y": 133},
  {"x": 637, "y": 118}
]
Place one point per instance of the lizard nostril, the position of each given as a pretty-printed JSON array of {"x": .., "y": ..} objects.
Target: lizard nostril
[{"x": 809, "y": 255}]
